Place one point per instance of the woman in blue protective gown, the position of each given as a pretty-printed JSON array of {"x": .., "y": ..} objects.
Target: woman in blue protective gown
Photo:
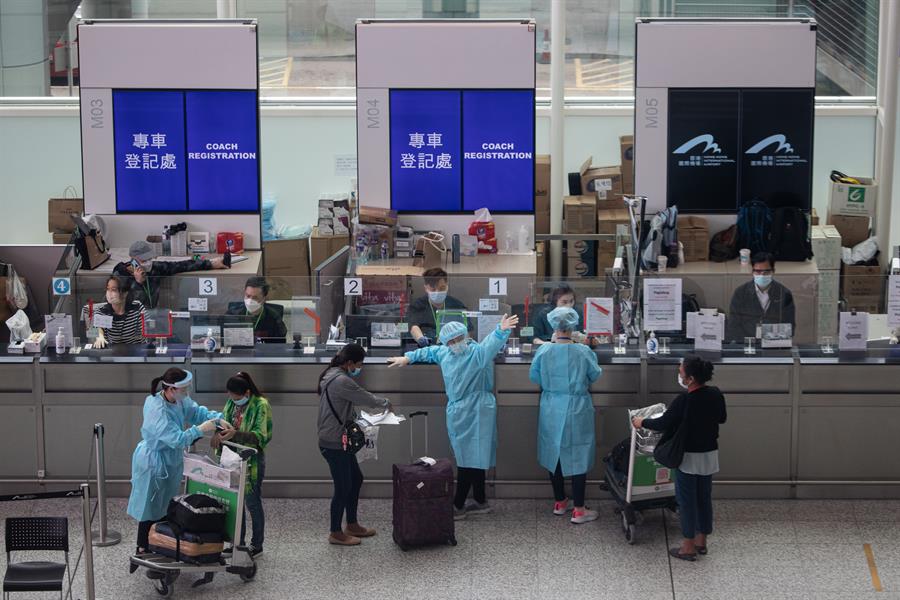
[
  {"x": 158, "y": 461},
  {"x": 468, "y": 370},
  {"x": 566, "y": 439}
]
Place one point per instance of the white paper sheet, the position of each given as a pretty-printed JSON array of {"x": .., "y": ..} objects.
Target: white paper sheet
[
  {"x": 854, "y": 331},
  {"x": 385, "y": 418},
  {"x": 662, "y": 304},
  {"x": 598, "y": 316},
  {"x": 893, "y": 310}
]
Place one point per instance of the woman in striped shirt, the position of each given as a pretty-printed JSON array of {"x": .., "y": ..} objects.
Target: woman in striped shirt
[{"x": 126, "y": 316}]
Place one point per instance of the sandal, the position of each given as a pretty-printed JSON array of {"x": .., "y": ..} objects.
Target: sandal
[{"x": 676, "y": 553}]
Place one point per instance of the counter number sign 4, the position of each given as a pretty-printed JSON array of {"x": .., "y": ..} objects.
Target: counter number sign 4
[
  {"x": 353, "y": 286},
  {"x": 209, "y": 286},
  {"x": 62, "y": 286},
  {"x": 497, "y": 286}
]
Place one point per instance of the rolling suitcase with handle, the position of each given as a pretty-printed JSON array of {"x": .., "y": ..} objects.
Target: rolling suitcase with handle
[{"x": 423, "y": 499}]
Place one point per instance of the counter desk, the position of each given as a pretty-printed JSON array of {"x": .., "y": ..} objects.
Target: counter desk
[{"x": 799, "y": 423}]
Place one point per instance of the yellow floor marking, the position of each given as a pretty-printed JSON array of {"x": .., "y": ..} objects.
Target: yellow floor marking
[{"x": 873, "y": 570}]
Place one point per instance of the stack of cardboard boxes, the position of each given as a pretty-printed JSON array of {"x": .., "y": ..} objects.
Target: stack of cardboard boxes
[
  {"x": 334, "y": 215},
  {"x": 580, "y": 217},
  {"x": 59, "y": 221},
  {"x": 608, "y": 221},
  {"x": 693, "y": 235},
  {"x": 826, "y": 246},
  {"x": 542, "y": 194},
  {"x": 851, "y": 208}
]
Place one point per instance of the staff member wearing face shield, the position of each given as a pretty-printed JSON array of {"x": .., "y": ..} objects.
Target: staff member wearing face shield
[
  {"x": 468, "y": 370},
  {"x": 268, "y": 319},
  {"x": 762, "y": 300},
  {"x": 158, "y": 460},
  {"x": 126, "y": 316},
  {"x": 339, "y": 396},
  {"x": 423, "y": 317},
  {"x": 143, "y": 273},
  {"x": 566, "y": 438}
]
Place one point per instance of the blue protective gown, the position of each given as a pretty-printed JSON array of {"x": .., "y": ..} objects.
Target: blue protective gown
[
  {"x": 158, "y": 460},
  {"x": 566, "y": 422},
  {"x": 471, "y": 406}
]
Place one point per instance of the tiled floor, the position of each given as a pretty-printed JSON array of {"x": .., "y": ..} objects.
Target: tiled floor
[{"x": 762, "y": 550}]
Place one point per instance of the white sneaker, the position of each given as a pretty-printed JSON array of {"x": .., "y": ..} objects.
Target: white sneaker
[
  {"x": 561, "y": 508},
  {"x": 459, "y": 513},
  {"x": 584, "y": 516},
  {"x": 477, "y": 508}
]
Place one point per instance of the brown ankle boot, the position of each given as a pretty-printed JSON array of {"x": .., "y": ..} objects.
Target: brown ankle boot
[{"x": 357, "y": 530}]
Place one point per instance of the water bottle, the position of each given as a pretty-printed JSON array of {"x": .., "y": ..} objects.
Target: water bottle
[
  {"x": 210, "y": 341},
  {"x": 524, "y": 240},
  {"x": 455, "y": 248},
  {"x": 60, "y": 341}
]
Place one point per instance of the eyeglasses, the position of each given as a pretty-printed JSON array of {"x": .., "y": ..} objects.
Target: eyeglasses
[{"x": 763, "y": 271}]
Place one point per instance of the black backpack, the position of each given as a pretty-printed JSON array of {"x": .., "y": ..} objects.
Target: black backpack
[
  {"x": 789, "y": 237},
  {"x": 724, "y": 245},
  {"x": 754, "y": 223},
  {"x": 197, "y": 513}
]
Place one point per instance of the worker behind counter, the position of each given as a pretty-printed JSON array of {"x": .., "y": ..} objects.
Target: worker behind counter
[
  {"x": 762, "y": 300},
  {"x": 423, "y": 310},
  {"x": 268, "y": 319},
  {"x": 143, "y": 273}
]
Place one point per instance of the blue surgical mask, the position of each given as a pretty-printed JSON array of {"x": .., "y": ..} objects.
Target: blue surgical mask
[
  {"x": 355, "y": 372},
  {"x": 437, "y": 297},
  {"x": 762, "y": 281},
  {"x": 242, "y": 401}
]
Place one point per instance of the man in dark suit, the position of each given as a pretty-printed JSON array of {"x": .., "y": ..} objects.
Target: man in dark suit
[
  {"x": 762, "y": 300},
  {"x": 268, "y": 319}
]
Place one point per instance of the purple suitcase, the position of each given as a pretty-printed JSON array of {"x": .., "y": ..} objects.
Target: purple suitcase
[{"x": 423, "y": 500}]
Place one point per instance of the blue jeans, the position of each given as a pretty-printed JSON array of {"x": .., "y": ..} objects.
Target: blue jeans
[
  {"x": 253, "y": 503},
  {"x": 694, "y": 495},
  {"x": 348, "y": 480}
]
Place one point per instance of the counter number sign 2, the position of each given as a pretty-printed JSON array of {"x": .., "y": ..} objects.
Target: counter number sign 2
[
  {"x": 353, "y": 286},
  {"x": 497, "y": 286},
  {"x": 62, "y": 286}
]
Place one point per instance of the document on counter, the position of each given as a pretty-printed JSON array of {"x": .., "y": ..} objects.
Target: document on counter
[
  {"x": 662, "y": 304},
  {"x": 385, "y": 418},
  {"x": 598, "y": 316},
  {"x": 894, "y": 301},
  {"x": 854, "y": 331}
]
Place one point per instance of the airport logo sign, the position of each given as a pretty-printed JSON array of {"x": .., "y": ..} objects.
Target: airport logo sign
[
  {"x": 774, "y": 151},
  {"x": 702, "y": 151}
]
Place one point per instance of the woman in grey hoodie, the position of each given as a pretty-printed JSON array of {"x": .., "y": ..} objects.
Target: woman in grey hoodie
[{"x": 339, "y": 395}]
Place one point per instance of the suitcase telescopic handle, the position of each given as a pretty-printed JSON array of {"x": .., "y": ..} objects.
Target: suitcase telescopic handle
[{"x": 418, "y": 413}]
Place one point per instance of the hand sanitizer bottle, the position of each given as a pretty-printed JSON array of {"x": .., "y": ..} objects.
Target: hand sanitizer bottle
[
  {"x": 60, "y": 341},
  {"x": 652, "y": 344},
  {"x": 210, "y": 342}
]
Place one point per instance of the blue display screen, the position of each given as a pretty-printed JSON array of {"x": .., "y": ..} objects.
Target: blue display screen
[
  {"x": 149, "y": 151},
  {"x": 461, "y": 150},
  {"x": 498, "y": 150},
  {"x": 222, "y": 151},
  {"x": 194, "y": 151}
]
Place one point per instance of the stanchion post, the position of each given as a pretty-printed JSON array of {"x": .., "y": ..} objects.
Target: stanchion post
[
  {"x": 103, "y": 537},
  {"x": 88, "y": 549}
]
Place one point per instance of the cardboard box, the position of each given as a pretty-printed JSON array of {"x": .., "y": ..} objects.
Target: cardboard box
[
  {"x": 59, "y": 211},
  {"x": 861, "y": 281},
  {"x": 853, "y": 230},
  {"x": 201, "y": 468},
  {"x": 606, "y": 256},
  {"x": 372, "y": 215},
  {"x": 826, "y": 247},
  {"x": 542, "y": 194},
  {"x": 693, "y": 233},
  {"x": 577, "y": 269},
  {"x": 608, "y": 219},
  {"x": 540, "y": 268},
  {"x": 323, "y": 247},
  {"x": 626, "y": 152},
  {"x": 61, "y": 238},
  {"x": 868, "y": 304},
  {"x": 579, "y": 214},
  {"x": 854, "y": 199},
  {"x": 604, "y": 182},
  {"x": 813, "y": 217},
  {"x": 829, "y": 286}
]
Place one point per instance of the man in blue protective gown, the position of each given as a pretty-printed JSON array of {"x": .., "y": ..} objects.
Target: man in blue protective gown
[
  {"x": 566, "y": 439},
  {"x": 468, "y": 370},
  {"x": 158, "y": 460}
]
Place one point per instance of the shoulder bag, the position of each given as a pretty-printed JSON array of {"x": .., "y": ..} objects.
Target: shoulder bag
[
  {"x": 353, "y": 439},
  {"x": 669, "y": 452}
]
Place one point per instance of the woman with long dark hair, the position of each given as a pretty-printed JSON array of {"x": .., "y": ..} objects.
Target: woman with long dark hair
[
  {"x": 701, "y": 408},
  {"x": 158, "y": 460},
  {"x": 251, "y": 415},
  {"x": 340, "y": 395}
]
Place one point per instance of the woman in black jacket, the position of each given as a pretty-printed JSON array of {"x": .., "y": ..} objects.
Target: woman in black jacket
[{"x": 704, "y": 408}]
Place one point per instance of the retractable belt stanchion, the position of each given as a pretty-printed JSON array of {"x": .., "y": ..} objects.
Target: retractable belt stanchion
[
  {"x": 103, "y": 537},
  {"x": 88, "y": 550}
]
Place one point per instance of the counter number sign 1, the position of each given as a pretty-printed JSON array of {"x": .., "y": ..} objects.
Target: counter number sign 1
[
  {"x": 353, "y": 286},
  {"x": 497, "y": 286},
  {"x": 62, "y": 286},
  {"x": 209, "y": 286}
]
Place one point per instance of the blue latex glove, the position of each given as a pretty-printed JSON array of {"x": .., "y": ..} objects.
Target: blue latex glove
[{"x": 423, "y": 342}]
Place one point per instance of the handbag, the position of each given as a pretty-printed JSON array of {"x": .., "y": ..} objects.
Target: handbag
[
  {"x": 89, "y": 245},
  {"x": 353, "y": 439},
  {"x": 669, "y": 452}
]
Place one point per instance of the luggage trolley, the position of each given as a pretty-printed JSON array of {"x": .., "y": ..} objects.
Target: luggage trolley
[
  {"x": 640, "y": 484},
  {"x": 165, "y": 570}
]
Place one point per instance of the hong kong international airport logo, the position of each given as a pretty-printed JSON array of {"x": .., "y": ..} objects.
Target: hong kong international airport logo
[
  {"x": 774, "y": 151},
  {"x": 701, "y": 151}
]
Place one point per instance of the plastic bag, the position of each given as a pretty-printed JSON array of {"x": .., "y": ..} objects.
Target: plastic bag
[
  {"x": 268, "y": 219},
  {"x": 645, "y": 439},
  {"x": 293, "y": 232},
  {"x": 16, "y": 294},
  {"x": 19, "y": 327},
  {"x": 863, "y": 252},
  {"x": 229, "y": 459},
  {"x": 370, "y": 450}
]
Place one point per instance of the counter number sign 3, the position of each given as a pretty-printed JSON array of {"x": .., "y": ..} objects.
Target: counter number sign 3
[
  {"x": 353, "y": 286},
  {"x": 209, "y": 286},
  {"x": 62, "y": 286},
  {"x": 497, "y": 286}
]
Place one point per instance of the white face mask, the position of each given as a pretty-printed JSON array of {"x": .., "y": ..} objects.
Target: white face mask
[
  {"x": 459, "y": 348},
  {"x": 252, "y": 305},
  {"x": 113, "y": 297},
  {"x": 681, "y": 382}
]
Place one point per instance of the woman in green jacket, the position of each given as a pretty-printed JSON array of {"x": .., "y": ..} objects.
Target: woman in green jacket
[{"x": 251, "y": 416}]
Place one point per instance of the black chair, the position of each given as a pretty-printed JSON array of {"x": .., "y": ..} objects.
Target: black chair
[{"x": 36, "y": 533}]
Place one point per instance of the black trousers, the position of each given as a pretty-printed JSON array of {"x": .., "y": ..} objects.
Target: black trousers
[
  {"x": 348, "y": 480},
  {"x": 466, "y": 479},
  {"x": 579, "y": 483},
  {"x": 143, "y": 534}
]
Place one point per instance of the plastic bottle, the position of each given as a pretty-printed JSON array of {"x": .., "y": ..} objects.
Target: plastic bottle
[
  {"x": 455, "y": 248},
  {"x": 524, "y": 240},
  {"x": 652, "y": 344},
  {"x": 210, "y": 342},
  {"x": 509, "y": 242},
  {"x": 60, "y": 341}
]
